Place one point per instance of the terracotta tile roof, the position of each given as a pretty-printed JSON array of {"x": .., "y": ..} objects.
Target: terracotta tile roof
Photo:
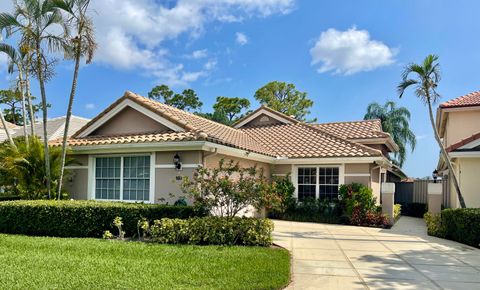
[
  {"x": 305, "y": 141},
  {"x": 463, "y": 142},
  {"x": 296, "y": 140},
  {"x": 355, "y": 129},
  {"x": 469, "y": 100},
  {"x": 132, "y": 138},
  {"x": 214, "y": 131}
]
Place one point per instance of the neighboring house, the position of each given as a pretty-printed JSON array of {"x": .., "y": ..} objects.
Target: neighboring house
[
  {"x": 132, "y": 151},
  {"x": 458, "y": 124},
  {"x": 55, "y": 128}
]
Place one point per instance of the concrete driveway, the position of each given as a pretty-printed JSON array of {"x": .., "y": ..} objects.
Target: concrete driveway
[{"x": 404, "y": 257}]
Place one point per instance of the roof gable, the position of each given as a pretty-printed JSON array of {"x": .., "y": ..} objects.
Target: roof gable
[
  {"x": 264, "y": 116},
  {"x": 122, "y": 110}
]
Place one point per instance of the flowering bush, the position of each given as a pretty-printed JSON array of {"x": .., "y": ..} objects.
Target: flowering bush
[
  {"x": 358, "y": 205},
  {"x": 230, "y": 189}
]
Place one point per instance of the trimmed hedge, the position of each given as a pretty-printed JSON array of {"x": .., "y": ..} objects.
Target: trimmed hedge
[
  {"x": 79, "y": 218},
  {"x": 213, "y": 231},
  {"x": 461, "y": 225}
]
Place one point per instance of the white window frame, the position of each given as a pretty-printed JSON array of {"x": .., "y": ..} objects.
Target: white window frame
[
  {"x": 341, "y": 175},
  {"x": 92, "y": 178}
]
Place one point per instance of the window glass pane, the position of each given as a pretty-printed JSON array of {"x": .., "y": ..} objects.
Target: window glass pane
[
  {"x": 107, "y": 176},
  {"x": 307, "y": 180},
  {"x": 329, "y": 181},
  {"x": 136, "y": 178}
]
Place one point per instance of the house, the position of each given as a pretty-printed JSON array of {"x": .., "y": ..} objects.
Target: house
[
  {"x": 458, "y": 124},
  {"x": 138, "y": 149},
  {"x": 55, "y": 128}
]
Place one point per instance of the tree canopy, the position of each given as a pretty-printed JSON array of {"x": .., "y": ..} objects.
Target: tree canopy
[
  {"x": 231, "y": 107},
  {"x": 395, "y": 121},
  {"x": 187, "y": 100},
  {"x": 285, "y": 98}
]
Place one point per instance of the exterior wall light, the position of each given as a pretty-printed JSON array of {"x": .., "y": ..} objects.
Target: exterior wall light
[{"x": 177, "y": 162}]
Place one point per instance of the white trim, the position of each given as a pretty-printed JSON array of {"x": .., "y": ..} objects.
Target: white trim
[
  {"x": 331, "y": 160},
  {"x": 91, "y": 177},
  {"x": 172, "y": 166},
  {"x": 465, "y": 154},
  {"x": 471, "y": 145},
  {"x": 153, "y": 160},
  {"x": 262, "y": 111},
  {"x": 341, "y": 175},
  {"x": 140, "y": 147},
  {"x": 129, "y": 103},
  {"x": 357, "y": 174},
  {"x": 279, "y": 174},
  {"x": 74, "y": 167}
]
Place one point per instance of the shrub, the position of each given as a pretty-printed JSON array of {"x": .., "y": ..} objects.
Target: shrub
[
  {"x": 9, "y": 197},
  {"x": 356, "y": 195},
  {"x": 213, "y": 231},
  {"x": 434, "y": 225},
  {"x": 22, "y": 168},
  {"x": 461, "y": 225},
  {"x": 397, "y": 211},
  {"x": 414, "y": 209},
  {"x": 229, "y": 189},
  {"x": 311, "y": 210},
  {"x": 368, "y": 218},
  {"x": 80, "y": 218}
]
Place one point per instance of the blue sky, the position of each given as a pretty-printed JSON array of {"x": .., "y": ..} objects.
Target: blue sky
[{"x": 232, "y": 48}]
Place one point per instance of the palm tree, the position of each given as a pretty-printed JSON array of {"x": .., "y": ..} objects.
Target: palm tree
[
  {"x": 82, "y": 45},
  {"x": 34, "y": 19},
  {"x": 395, "y": 121},
  {"x": 425, "y": 81},
  {"x": 16, "y": 59}
]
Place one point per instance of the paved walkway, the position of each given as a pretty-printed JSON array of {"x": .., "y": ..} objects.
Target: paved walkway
[{"x": 404, "y": 257}]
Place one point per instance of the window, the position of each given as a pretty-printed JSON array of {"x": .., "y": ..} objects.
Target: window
[
  {"x": 307, "y": 180},
  {"x": 318, "y": 182},
  {"x": 122, "y": 178}
]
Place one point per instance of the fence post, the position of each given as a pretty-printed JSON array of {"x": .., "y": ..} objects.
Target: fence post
[
  {"x": 388, "y": 193},
  {"x": 434, "y": 197}
]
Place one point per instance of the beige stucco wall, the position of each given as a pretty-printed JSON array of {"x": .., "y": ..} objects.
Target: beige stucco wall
[
  {"x": 461, "y": 125},
  {"x": 365, "y": 180},
  {"x": 375, "y": 181},
  {"x": 212, "y": 161},
  {"x": 77, "y": 184},
  {"x": 186, "y": 157},
  {"x": 281, "y": 169},
  {"x": 129, "y": 121},
  {"x": 167, "y": 184},
  {"x": 469, "y": 181},
  {"x": 362, "y": 168},
  {"x": 79, "y": 160}
]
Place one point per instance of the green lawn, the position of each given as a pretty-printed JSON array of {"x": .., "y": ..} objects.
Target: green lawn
[{"x": 69, "y": 263}]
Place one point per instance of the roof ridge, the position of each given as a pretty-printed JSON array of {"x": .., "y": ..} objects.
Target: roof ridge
[
  {"x": 183, "y": 111},
  {"x": 364, "y": 147},
  {"x": 263, "y": 106},
  {"x": 451, "y": 102},
  {"x": 344, "y": 122}
]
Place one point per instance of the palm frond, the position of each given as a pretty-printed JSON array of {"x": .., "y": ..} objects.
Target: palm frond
[{"x": 404, "y": 84}]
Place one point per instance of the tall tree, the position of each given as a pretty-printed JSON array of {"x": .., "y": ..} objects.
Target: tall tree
[
  {"x": 425, "y": 78},
  {"x": 12, "y": 99},
  {"x": 285, "y": 98},
  {"x": 395, "y": 121},
  {"x": 16, "y": 62},
  {"x": 35, "y": 20},
  {"x": 82, "y": 45},
  {"x": 187, "y": 100},
  {"x": 231, "y": 107}
]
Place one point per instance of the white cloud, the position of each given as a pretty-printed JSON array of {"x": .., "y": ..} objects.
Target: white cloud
[
  {"x": 131, "y": 32},
  {"x": 210, "y": 64},
  {"x": 351, "y": 51},
  {"x": 198, "y": 54},
  {"x": 241, "y": 38},
  {"x": 90, "y": 106}
]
